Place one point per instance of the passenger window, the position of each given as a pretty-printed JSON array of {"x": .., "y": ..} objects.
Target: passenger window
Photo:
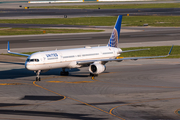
[
  {"x": 36, "y": 60},
  {"x": 31, "y": 60}
]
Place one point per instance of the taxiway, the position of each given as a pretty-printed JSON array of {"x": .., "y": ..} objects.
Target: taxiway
[{"x": 143, "y": 89}]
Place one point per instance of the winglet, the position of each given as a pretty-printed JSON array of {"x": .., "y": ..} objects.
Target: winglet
[
  {"x": 170, "y": 50},
  {"x": 8, "y": 48}
]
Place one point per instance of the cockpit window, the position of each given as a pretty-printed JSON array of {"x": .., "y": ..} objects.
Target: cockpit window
[{"x": 32, "y": 60}]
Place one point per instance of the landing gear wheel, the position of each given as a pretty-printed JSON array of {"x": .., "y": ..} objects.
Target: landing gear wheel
[
  {"x": 93, "y": 75},
  {"x": 67, "y": 73},
  {"x": 37, "y": 75},
  {"x": 64, "y": 73},
  {"x": 38, "y": 79}
]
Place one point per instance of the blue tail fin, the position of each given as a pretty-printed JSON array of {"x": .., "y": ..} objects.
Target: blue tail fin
[
  {"x": 8, "y": 47},
  {"x": 114, "y": 39}
]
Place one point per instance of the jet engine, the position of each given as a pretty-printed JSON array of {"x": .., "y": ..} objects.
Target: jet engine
[{"x": 97, "y": 68}]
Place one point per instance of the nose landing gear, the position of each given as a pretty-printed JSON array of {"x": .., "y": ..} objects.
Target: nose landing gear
[{"x": 37, "y": 75}]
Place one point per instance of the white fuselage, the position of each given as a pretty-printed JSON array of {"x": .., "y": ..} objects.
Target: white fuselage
[{"x": 68, "y": 58}]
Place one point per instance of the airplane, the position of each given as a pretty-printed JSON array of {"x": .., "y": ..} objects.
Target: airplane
[{"x": 93, "y": 57}]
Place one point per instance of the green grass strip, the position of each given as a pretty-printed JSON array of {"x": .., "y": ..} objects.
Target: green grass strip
[
  {"x": 161, "y": 21},
  {"x": 115, "y": 6},
  {"x": 154, "y": 51},
  {"x": 29, "y": 31}
]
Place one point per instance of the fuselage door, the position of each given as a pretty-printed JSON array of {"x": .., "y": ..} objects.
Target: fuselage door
[{"x": 60, "y": 58}]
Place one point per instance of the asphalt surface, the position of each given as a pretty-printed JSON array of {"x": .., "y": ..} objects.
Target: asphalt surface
[
  {"x": 16, "y": 3},
  {"x": 136, "y": 35},
  {"x": 59, "y": 13},
  {"x": 143, "y": 89}
]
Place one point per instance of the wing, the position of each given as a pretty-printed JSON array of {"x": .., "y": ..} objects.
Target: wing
[
  {"x": 121, "y": 59},
  {"x": 8, "y": 50},
  {"x": 133, "y": 50}
]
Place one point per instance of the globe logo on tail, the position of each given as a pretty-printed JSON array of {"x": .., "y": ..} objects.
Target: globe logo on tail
[{"x": 113, "y": 41}]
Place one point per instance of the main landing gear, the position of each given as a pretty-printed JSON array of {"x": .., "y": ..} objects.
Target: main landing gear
[
  {"x": 64, "y": 73},
  {"x": 37, "y": 75},
  {"x": 93, "y": 75}
]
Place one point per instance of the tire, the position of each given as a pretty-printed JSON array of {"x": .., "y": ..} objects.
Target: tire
[
  {"x": 62, "y": 73},
  {"x": 66, "y": 73},
  {"x": 91, "y": 74}
]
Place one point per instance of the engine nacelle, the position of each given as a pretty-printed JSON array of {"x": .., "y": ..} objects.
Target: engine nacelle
[{"x": 96, "y": 68}]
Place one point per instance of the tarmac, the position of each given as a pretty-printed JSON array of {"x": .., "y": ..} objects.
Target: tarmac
[
  {"x": 139, "y": 90},
  {"x": 142, "y": 89}
]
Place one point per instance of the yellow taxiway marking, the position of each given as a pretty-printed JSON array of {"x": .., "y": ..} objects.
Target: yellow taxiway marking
[
  {"x": 111, "y": 110},
  {"x": 10, "y": 83},
  {"x": 52, "y": 77},
  {"x": 129, "y": 85},
  {"x": 29, "y": 104},
  {"x": 78, "y": 101},
  {"x": 75, "y": 82},
  {"x": 96, "y": 108},
  {"x": 34, "y": 83},
  {"x": 177, "y": 112}
]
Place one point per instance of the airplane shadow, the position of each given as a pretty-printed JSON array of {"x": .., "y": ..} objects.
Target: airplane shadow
[
  {"x": 106, "y": 103},
  {"x": 72, "y": 75},
  {"x": 15, "y": 73},
  {"x": 47, "y": 98},
  {"x": 20, "y": 73},
  {"x": 10, "y": 104},
  {"x": 50, "y": 114}
]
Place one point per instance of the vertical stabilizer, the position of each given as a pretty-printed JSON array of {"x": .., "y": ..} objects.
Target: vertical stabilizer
[{"x": 114, "y": 39}]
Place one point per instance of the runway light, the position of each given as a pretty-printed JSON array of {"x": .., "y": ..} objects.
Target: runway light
[
  {"x": 26, "y": 7},
  {"x": 44, "y": 31},
  {"x": 127, "y": 14}
]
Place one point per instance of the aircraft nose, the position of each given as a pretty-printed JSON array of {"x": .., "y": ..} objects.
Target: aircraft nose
[{"x": 27, "y": 66}]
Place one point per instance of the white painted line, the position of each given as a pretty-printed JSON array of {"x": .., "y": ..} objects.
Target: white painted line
[
  {"x": 62, "y": 1},
  {"x": 61, "y": 39},
  {"x": 122, "y": 0}
]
